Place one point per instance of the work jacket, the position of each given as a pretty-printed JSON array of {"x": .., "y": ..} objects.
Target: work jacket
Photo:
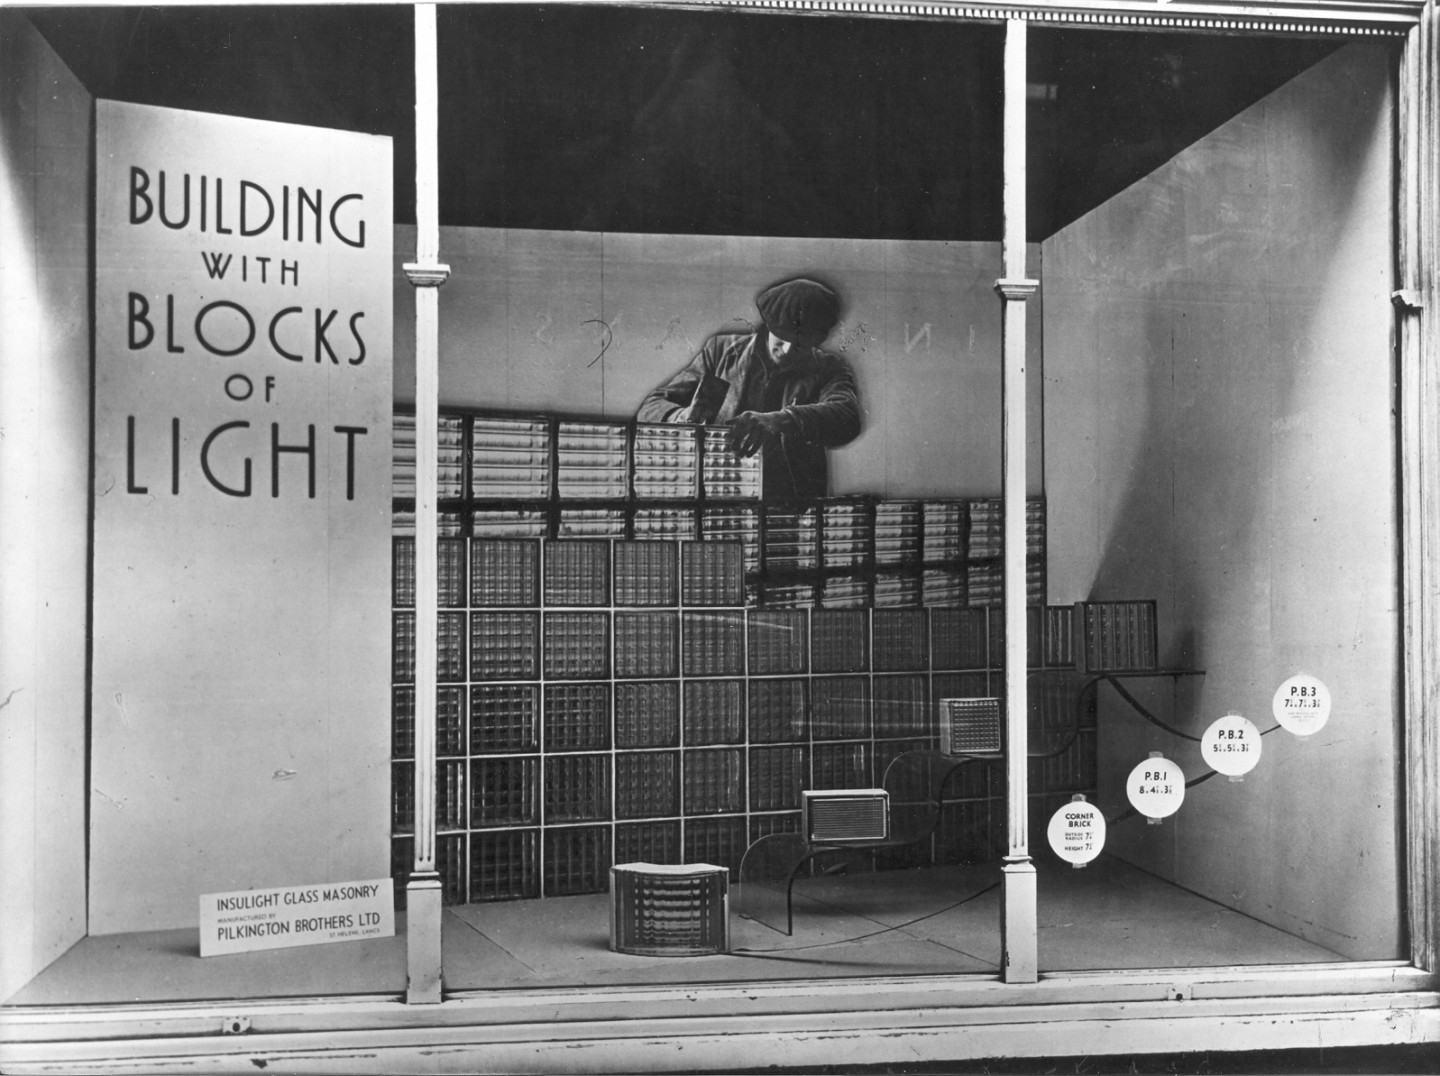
[{"x": 814, "y": 389}]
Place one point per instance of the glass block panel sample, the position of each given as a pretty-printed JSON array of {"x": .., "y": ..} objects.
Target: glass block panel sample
[
  {"x": 402, "y": 453},
  {"x": 592, "y": 523},
  {"x": 506, "y": 717},
  {"x": 734, "y": 525},
  {"x": 402, "y": 572},
  {"x": 577, "y": 860},
  {"x": 665, "y": 523},
  {"x": 900, "y": 707},
  {"x": 713, "y": 573},
  {"x": 1035, "y": 527},
  {"x": 726, "y": 476},
  {"x": 647, "y": 784},
  {"x": 505, "y": 865},
  {"x": 714, "y": 781},
  {"x": 1058, "y": 637},
  {"x": 777, "y": 775},
  {"x": 402, "y": 723},
  {"x": 944, "y": 531},
  {"x": 984, "y": 584},
  {"x": 450, "y": 456},
  {"x": 897, "y": 532},
  {"x": 402, "y": 648},
  {"x": 505, "y": 791},
  {"x": 450, "y": 571},
  {"x": 987, "y": 529},
  {"x": 577, "y": 717},
  {"x": 714, "y": 644},
  {"x": 846, "y": 534},
  {"x": 450, "y": 646},
  {"x": 779, "y": 641},
  {"x": 777, "y": 711},
  {"x": 845, "y": 592},
  {"x": 450, "y": 721},
  {"x": 450, "y": 794},
  {"x": 510, "y": 459},
  {"x": 839, "y": 707},
  {"x": 790, "y": 539},
  {"x": 717, "y": 841},
  {"x": 402, "y": 797},
  {"x": 647, "y": 573},
  {"x": 577, "y": 788},
  {"x": 592, "y": 461},
  {"x": 839, "y": 640},
  {"x": 505, "y": 646},
  {"x": 897, "y": 589},
  {"x": 508, "y": 523},
  {"x": 900, "y": 640},
  {"x": 647, "y": 842},
  {"x": 714, "y": 712},
  {"x": 666, "y": 462},
  {"x": 577, "y": 573},
  {"x": 577, "y": 646},
  {"x": 841, "y": 765},
  {"x": 647, "y": 714},
  {"x": 450, "y": 855},
  {"x": 942, "y": 587},
  {"x": 505, "y": 572},
  {"x": 647, "y": 644}
]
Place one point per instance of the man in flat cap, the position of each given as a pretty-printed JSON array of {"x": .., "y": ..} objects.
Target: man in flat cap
[{"x": 774, "y": 388}]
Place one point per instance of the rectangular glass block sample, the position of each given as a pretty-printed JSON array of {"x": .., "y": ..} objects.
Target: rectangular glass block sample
[
  {"x": 714, "y": 643},
  {"x": 944, "y": 531},
  {"x": 984, "y": 584},
  {"x": 647, "y": 573},
  {"x": 402, "y": 453},
  {"x": 1058, "y": 637},
  {"x": 402, "y": 572},
  {"x": 505, "y": 718},
  {"x": 577, "y": 646},
  {"x": 791, "y": 537},
  {"x": 847, "y": 534},
  {"x": 450, "y": 456},
  {"x": 666, "y": 462},
  {"x": 504, "y": 572},
  {"x": 714, "y": 781},
  {"x": 577, "y": 717},
  {"x": 897, "y": 532},
  {"x": 841, "y": 765},
  {"x": 839, "y": 640},
  {"x": 591, "y": 523},
  {"x": 450, "y": 721},
  {"x": 450, "y": 571},
  {"x": 777, "y": 711},
  {"x": 665, "y": 523},
  {"x": 592, "y": 461},
  {"x": 450, "y": 646},
  {"x": 942, "y": 587},
  {"x": 577, "y": 788},
  {"x": 450, "y": 854},
  {"x": 505, "y": 865},
  {"x": 577, "y": 573},
  {"x": 712, "y": 573},
  {"x": 647, "y": 784},
  {"x": 900, "y": 707},
  {"x": 450, "y": 794},
  {"x": 505, "y": 791},
  {"x": 402, "y": 797},
  {"x": 987, "y": 530},
  {"x": 508, "y": 523},
  {"x": 724, "y": 475},
  {"x": 779, "y": 641},
  {"x": 839, "y": 707},
  {"x": 505, "y": 646},
  {"x": 714, "y": 712},
  {"x": 647, "y": 645},
  {"x": 647, "y": 842},
  {"x": 510, "y": 458},
  {"x": 897, "y": 589},
  {"x": 718, "y": 841},
  {"x": 647, "y": 714},
  {"x": 1116, "y": 635},
  {"x": 734, "y": 525},
  {"x": 845, "y": 592},
  {"x": 402, "y": 723},
  {"x": 777, "y": 776},
  {"x": 900, "y": 640},
  {"x": 402, "y": 648},
  {"x": 577, "y": 860}
]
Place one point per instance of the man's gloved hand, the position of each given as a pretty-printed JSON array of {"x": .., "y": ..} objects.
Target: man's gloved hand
[{"x": 750, "y": 431}]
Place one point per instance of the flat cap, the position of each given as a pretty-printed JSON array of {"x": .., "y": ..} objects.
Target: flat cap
[{"x": 800, "y": 311}]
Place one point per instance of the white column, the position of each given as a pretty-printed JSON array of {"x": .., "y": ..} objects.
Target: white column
[
  {"x": 1017, "y": 911},
  {"x": 423, "y": 906}
]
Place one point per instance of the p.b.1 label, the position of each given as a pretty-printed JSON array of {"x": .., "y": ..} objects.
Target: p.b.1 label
[{"x": 1156, "y": 787}]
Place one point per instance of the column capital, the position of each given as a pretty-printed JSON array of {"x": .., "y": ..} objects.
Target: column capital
[
  {"x": 426, "y": 276},
  {"x": 1017, "y": 290}
]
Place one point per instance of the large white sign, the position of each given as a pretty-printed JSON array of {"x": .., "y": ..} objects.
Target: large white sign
[
  {"x": 296, "y": 915},
  {"x": 243, "y": 394}
]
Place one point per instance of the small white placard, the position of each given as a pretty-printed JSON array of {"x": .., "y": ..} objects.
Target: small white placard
[
  {"x": 1077, "y": 832},
  {"x": 1302, "y": 704},
  {"x": 1156, "y": 787},
  {"x": 296, "y": 915},
  {"x": 1231, "y": 745}
]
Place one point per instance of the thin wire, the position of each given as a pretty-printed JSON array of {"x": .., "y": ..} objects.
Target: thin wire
[{"x": 872, "y": 934}]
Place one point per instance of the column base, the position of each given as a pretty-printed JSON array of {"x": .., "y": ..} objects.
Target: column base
[
  {"x": 1018, "y": 921},
  {"x": 422, "y": 938}
]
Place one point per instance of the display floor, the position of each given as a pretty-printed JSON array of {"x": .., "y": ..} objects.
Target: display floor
[{"x": 1109, "y": 915}]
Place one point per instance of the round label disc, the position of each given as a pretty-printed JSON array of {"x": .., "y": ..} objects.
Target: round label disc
[
  {"x": 1077, "y": 832},
  {"x": 1231, "y": 745},
  {"x": 1156, "y": 787},
  {"x": 1302, "y": 704}
]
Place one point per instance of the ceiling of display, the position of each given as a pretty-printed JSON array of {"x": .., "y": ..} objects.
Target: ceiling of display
[{"x": 596, "y": 117}]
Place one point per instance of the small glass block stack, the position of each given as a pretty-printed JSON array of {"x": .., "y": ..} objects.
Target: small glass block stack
[
  {"x": 510, "y": 458},
  {"x": 665, "y": 462},
  {"x": 592, "y": 464},
  {"x": 726, "y": 476}
]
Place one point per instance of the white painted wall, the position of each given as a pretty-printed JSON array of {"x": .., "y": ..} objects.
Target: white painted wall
[
  {"x": 45, "y": 139},
  {"x": 1219, "y": 436},
  {"x": 519, "y": 329}
]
